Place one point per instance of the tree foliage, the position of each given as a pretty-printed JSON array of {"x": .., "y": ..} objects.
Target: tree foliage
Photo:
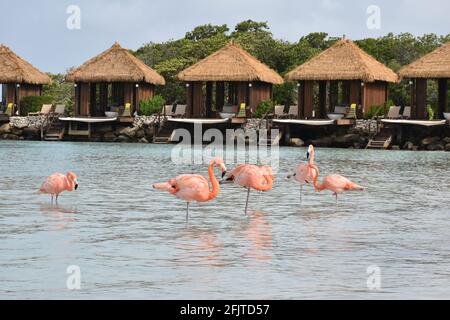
[{"x": 170, "y": 57}]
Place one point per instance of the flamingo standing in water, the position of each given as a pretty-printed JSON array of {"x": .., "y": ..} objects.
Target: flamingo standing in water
[
  {"x": 303, "y": 172},
  {"x": 194, "y": 187},
  {"x": 57, "y": 183},
  {"x": 335, "y": 183},
  {"x": 252, "y": 177}
]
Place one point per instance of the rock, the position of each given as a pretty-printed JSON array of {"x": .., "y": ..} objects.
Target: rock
[
  {"x": 395, "y": 147},
  {"x": 447, "y": 147},
  {"x": 6, "y": 128},
  {"x": 408, "y": 145},
  {"x": 322, "y": 142},
  {"x": 109, "y": 137},
  {"x": 130, "y": 132},
  {"x": 429, "y": 140},
  {"x": 346, "y": 141},
  {"x": 10, "y": 136},
  {"x": 435, "y": 147},
  {"x": 31, "y": 132},
  {"x": 16, "y": 131},
  {"x": 140, "y": 133},
  {"x": 296, "y": 142},
  {"x": 356, "y": 145},
  {"x": 143, "y": 140},
  {"x": 415, "y": 148},
  {"x": 122, "y": 138},
  {"x": 446, "y": 140}
]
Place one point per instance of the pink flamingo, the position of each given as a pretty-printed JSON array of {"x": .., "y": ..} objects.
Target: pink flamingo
[
  {"x": 303, "y": 172},
  {"x": 194, "y": 187},
  {"x": 57, "y": 183},
  {"x": 252, "y": 177},
  {"x": 335, "y": 183}
]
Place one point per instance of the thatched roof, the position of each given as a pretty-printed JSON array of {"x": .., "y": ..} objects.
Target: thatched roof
[
  {"x": 230, "y": 63},
  {"x": 435, "y": 64},
  {"x": 115, "y": 65},
  {"x": 343, "y": 61},
  {"x": 16, "y": 70}
]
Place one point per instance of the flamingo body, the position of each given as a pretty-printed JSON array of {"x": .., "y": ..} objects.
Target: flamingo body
[
  {"x": 57, "y": 183},
  {"x": 194, "y": 187}
]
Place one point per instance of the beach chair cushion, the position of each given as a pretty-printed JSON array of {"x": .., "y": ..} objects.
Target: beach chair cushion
[
  {"x": 394, "y": 112},
  {"x": 9, "y": 109},
  {"x": 180, "y": 110},
  {"x": 406, "y": 112},
  {"x": 279, "y": 111},
  {"x": 167, "y": 110},
  {"x": 293, "y": 111},
  {"x": 127, "y": 110},
  {"x": 351, "y": 112},
  {"x": 46, "y": 108},
  {"x": 242, "y": 110},
  {"x": 60, "y": 109}
]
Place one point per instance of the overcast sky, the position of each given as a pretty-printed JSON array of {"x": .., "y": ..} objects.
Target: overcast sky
[{"x": 37, "y": 31}]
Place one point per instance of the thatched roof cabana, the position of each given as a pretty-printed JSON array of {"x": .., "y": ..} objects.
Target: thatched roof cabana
[
  {"x": 343, "y": 61},
  {"x": 130, "y": 78},
  {"x": 434, "y": 65},
  {"x": 115, "y": 65},
  {"x": 230, "y": 63},
  {"x": 363, "y": 80},
  {"x": 13, "y": 69},
  {"x": 19, "y": 78},
  {"x": 239, "y": 78}
]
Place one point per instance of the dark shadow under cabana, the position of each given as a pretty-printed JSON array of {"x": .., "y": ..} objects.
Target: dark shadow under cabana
[
  {"x": 18, "y": 79},
  {"x": 227, "y": 81},
  {"x": 339, "y": 77}
]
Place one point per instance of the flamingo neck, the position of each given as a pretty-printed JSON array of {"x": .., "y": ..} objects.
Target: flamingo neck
[
  {"x": 69, "y": 184},
  {"x": 317, "y": 186},
  {"x": 215, "y": 184},
  {"x": 311, "y": 158}
]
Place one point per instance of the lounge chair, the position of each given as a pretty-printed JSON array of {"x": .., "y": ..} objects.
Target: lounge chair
[
  {"x": 340, "y": 110},
  {"x": 228, "y": 111},
  {"x": 45, "y": 110},
  {"x": 127, "y": 111},
  {"x": 180, "y": 110},
  {"x": 60, "y": 110},
  {"x": 393, "y": 113},
  {"x": 279, "y": 112},
  {"x": 351, "y": 114},
  {"x": 406, "y": 112},
  {"x": 293, "y": 111},
  {"x": 242, "y": 111},
  {"x": 8, "y": 110}
]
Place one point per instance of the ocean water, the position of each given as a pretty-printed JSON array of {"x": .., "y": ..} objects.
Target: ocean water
[{"x": 129, "y": 241}]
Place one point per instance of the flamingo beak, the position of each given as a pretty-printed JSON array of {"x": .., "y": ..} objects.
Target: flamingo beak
[
  {"x": 307, "y": 155},
  {"x": 76, "y": 186}
]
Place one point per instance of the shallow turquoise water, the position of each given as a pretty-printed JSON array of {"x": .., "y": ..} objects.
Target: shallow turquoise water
[{"x": 130, "y": 241}]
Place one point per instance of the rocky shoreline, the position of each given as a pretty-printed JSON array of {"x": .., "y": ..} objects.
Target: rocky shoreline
[{"x": 143, "y": 129}]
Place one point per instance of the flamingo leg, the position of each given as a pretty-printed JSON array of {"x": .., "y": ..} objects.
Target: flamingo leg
[
  {"x": 52, "y": 198},
  {"x": 336, "y": 195},
  {"x": 56, "y": 198},
  {"x": 246, "y": 203},
  {"x": 187, "y": 211}
]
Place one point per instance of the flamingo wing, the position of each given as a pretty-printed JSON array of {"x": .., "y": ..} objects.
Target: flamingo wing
[
  {"x": 192, "y": 187},
  {"x": 54, "y": 184}
]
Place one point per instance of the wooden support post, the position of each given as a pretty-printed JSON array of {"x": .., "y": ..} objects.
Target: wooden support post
[
  {"x": 442, "y": 98},
  {"x": 308, "y": 99},
  {"x": 321, "y": 114},
  {"x": 220, "y": 95},
  {"x": 208, "y": 101},
  {"x": 345, "y": 92},
  {"x": 189, "y": 99},
  {"x": 300, "y": 100},
  {"x": 93, "y": 99},
  {"x": 421, "y": 98}
]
